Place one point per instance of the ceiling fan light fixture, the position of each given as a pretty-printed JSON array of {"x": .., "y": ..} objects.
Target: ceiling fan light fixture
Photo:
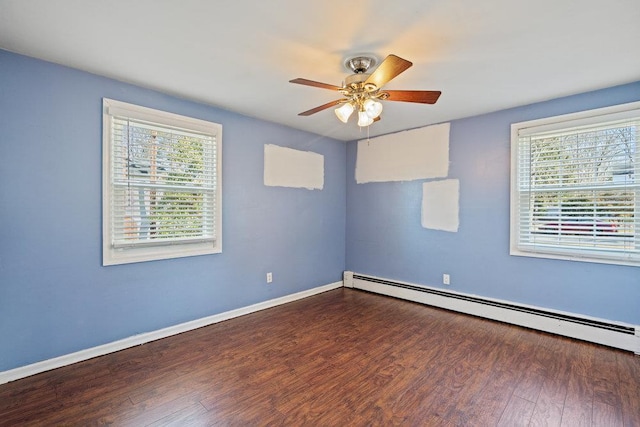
[
  {"x": 362, "y": 91},
  {"x": 344, "y": 112},
  {"x": 373, "y": 108},
  {"x": 363, "y": 119}
]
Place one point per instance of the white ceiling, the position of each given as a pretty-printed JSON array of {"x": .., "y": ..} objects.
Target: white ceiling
[{"x": 240, "y": 54}]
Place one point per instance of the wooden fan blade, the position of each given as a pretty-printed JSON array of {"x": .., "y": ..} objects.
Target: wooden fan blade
[
  {"x": 419, "y": 96},
  {"x": 314, "y": 84},
  {"x": 320, "y": 108},
  {"x": 391, "y": 67}
]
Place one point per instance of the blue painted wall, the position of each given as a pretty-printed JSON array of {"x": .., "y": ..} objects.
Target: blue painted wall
[
  {"x": 55, "y": 296},
  {"x": 385, "y": 238}
]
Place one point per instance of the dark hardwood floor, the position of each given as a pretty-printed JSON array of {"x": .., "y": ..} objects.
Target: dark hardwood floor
[{"x": 342, "y": 358}]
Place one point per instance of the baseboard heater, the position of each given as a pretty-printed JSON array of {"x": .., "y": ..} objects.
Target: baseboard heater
[{"x": 613, "y": 334}]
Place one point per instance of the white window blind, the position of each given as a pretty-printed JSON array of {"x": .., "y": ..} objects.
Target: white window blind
[
  {"x": 162, "y": 190},
  {"x": 576, "y": 193}
]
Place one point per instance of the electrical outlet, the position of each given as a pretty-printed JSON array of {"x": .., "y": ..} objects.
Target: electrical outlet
[
  {"x": 446, "y": 280},
  {"x": 269, "y": 277}
]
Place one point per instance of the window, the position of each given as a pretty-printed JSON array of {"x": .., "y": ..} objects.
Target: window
[
  {"x": 575, "y": 186},
  {"x": 161, "y": 185}
]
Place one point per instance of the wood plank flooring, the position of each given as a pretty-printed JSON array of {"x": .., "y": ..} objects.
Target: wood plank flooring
[{"x": 342, "y": 358}]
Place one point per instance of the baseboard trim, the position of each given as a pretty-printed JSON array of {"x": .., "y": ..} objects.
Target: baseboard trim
[{"x": 101, "y": 350}]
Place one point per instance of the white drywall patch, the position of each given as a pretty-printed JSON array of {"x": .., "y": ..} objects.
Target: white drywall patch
[
  {"x": 286, "y": 167},
  {"x": 440, "y": 201},
  {"x": 405, "y": 156}
]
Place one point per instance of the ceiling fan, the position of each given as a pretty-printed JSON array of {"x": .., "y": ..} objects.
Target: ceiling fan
[{"x": 363, "y": 91}]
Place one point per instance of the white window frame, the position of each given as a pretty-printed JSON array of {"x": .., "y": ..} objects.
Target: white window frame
[
  {"x": 112, "y": 254},
  {"x": 558, "y": 123}
]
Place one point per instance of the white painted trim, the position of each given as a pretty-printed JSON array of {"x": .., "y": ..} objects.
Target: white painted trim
[
  {"x": 529, "y": 320},
  {"x": 79, "y": 356},
  {"x": 347, "y": 279}
]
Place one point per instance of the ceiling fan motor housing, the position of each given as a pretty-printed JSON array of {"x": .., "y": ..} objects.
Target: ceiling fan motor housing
[{"x": 360, "y": 64}]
